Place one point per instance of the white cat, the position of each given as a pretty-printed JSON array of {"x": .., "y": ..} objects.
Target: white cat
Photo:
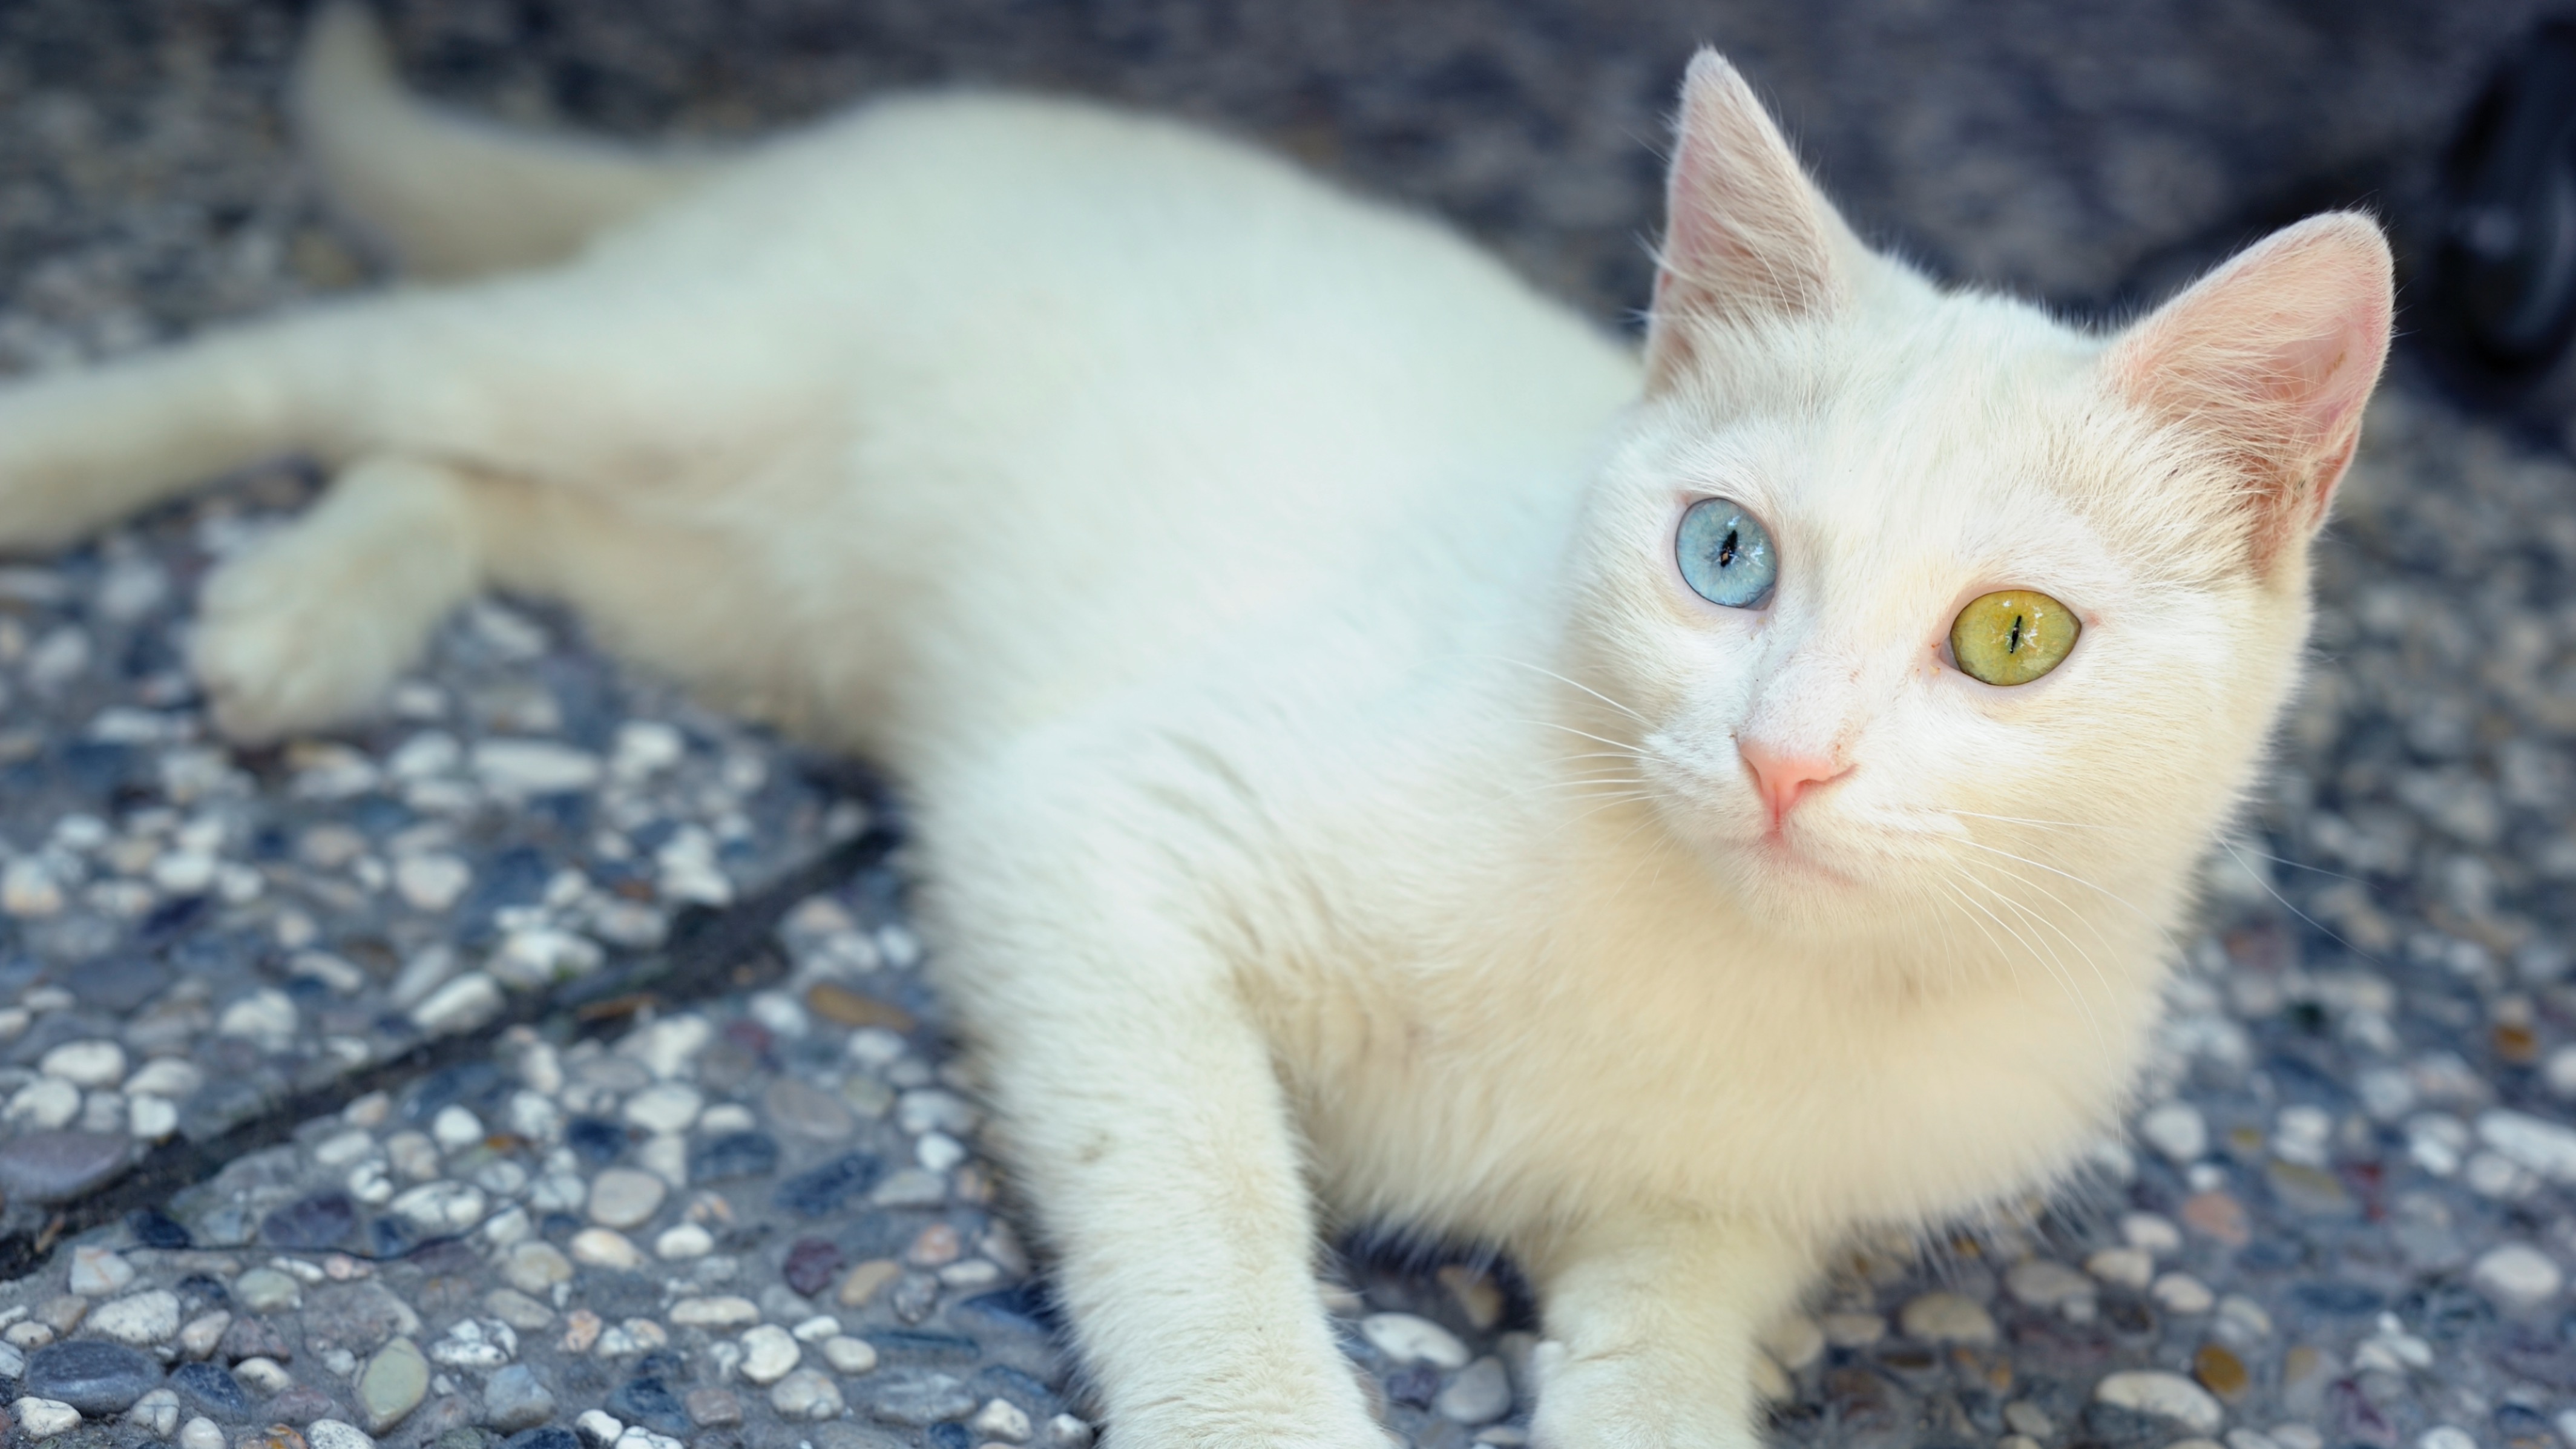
[{"x": 1381, "y": 749}]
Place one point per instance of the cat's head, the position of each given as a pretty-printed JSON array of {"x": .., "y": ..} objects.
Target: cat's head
[{"x": 1789, "y": 593}]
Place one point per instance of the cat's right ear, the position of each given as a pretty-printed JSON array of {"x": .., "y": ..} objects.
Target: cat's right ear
[{"x": 1747, "y": 236}]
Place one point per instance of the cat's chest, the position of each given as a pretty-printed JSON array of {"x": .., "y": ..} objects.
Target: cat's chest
[{"x": 1805, "y": 1103}]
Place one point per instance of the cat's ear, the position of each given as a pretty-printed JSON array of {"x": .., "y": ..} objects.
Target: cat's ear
[
  {"x": 2271, "y": 358},
  {"x": 1746, "y": 234}
]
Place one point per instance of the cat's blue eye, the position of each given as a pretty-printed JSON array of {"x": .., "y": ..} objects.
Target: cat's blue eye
[{"x": 1726, "y": 554}]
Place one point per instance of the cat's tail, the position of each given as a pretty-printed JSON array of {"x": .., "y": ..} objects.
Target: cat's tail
[{"x": 454, "y": 196}]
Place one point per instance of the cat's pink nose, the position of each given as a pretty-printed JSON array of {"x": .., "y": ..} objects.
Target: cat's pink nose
[{"x": 1784, "y": 775}]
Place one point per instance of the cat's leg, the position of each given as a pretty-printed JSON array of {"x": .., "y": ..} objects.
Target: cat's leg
[
  {"x": 1652, "y": 1324},
  {"x": 1145, "y": 1125},
  {"x": 559, "y": 378},
  {"x": 308, "y": 627}
]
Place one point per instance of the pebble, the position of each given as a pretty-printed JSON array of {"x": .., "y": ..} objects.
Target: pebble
[
  {"x": 535, "y": 1267},
  {"x": 805, "y": 1111},
  {"x": 645, "y": 1401},
  {"x": 2164, "y": 1395},
  {"x": 464, "y": 1004},
  {"x": 515, "y": 1398},
  {"x": 44, "y": 1418},
  {"x": 140, "y": 1320},
  {"x": 45, "y": 1104},
  {"x": 2545, "y": 1147},
  {"x": 1480, "y": 1394},
  {"x": 200, "y": 1335},
  {"x": 665, "y": 1107},
  {"x": 518, "y": 1310},
  {"x": 266, "y": 1375},
  {"x": 2181, "y": 1293},
  {"x": 92, "y": 1377},
  {"x": 1947, "y": 1318},
  {"x": 521, "y": 767},
  {"x": 85, "y": 1063},
  {"x": 768, "y": 1352},
  {"x": 255, "y": 1338},
  {"x": 212, "y": 1390},
  {"x": 310, "y": 1224},
  {"x": 683, "y": 1242},
  {"x": 711, "y": 1408},
  {"x": 622, "y": 1197},
  {"x": 97, "y": 1271},
  {"x": 2516, "y": 1277},
  {"x": 597, "y": 1429},
  {"x": 725, "y": 1312},
  {"x": 150, "y": 1118},
  {"x": 849, "y": 1356},
  {"x": 732, "y": 1155},
  {"x": 2177, "y": 1130},
  {"x": 1408, "y": 1339},
  {"x": 156, "y": 1413},
  {"x": 2215, "y": 1214},
  {"x": 806, "y": 1394},
  {"x": 431, "y": 882},
  {"x": 2126, "y": 1267},
  {"x": 201, "y": 1433},
  {"x": 392, "y": 1384},
  {"x": 48, "y": 1166},
  {"x": 918, "y": 1398},
  {"x": 337, "y": 1434},
  {"x": 606, "y": 1248},
  {"x": 825, "y": 1190},
  {"x": 2220, "y": 1371},
  {"x": 2046, "y": 1283},
  {"x": 866, "y": 1281}
]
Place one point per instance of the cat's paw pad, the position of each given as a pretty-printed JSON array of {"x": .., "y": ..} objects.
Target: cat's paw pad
[{"x": 283, "y": 645}]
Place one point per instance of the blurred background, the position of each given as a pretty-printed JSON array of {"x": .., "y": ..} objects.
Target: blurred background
[{"x": 2092, "y": 155}]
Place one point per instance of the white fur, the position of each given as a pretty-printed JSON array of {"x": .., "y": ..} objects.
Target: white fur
[{"x": 1329, "y": 799}]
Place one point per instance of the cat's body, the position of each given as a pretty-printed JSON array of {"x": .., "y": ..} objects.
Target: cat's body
[{"x": 1328, "y": 793}]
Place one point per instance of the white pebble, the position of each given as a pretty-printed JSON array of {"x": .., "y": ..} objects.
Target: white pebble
[
  {"x": 172, "y": 1077},
  {"x": 2151, "y": 1232},
  {"x": 2046, "y": 1283},
  {"x": 850, "y": 1356},
  {"x": 334, "y": 1434},
  {"x": 138, "y": 1320},
  {"x": 2182, "y": 1293},
  {"x": 201, "y": 1433},
  {"x": 156, "y": 1413},
  {"x": 2516, "y": 1277},
  {"x": 449, "y": 1207},
  {"x": 44, "y": 1418},
  {"x": 1001, "y": 1419},
  {"x": 2443, "y": 1436},
  {"x": 597, "y": 1428},
  {"x": 97, "y": 1271},
  {"x": 265, "y": 1017},
  {"x": 85, "y": 1063},
  {"x": 603, "y": 1248},
  {"x": 688, "y": 1240},
  {"x": 203, "y": 1332},
  {"x": 1480, "y": 1394},
  {"x": 2177, "y": 1130},
  {"x": 45, "y": 1104},
  {"x": 463, "y": 1004},
  {"x": 1407, "y": 1339},
  {"x": 816, "y": 1328},
  {"x": 520, "y": 768},
  {"x": 725, "y": 1312},
  {"x": 665, "y": 1107},
  {"x": 768, "y": 1352},
  {"x": 455, "y": 1127},
  {"x": 806, "y": 1394},
  {"x": 264, "y": 1374},
  {"x": 2559, "y": 1072},
  {"x": 2127, "y": 1267},
  {"x": 432, "y": 882},
  {"x": 2547, "y": 1148},
  {"x": 2164, "y": 1395}
]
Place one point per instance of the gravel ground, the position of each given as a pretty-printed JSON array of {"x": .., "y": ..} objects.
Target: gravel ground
[{"x": 461, "y": 1185}]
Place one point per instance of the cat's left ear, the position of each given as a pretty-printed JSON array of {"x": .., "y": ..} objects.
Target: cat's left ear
[
  {"x": 2271, "y": 359},
  {"x": 1746, "y": 235}
]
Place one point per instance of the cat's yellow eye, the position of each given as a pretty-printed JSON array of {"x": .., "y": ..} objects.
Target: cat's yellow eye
[{"x": 2012, "y": 637}]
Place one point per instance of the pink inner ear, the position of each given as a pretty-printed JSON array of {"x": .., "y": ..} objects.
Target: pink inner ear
[
  {"x": 2272, "y": 359},
  {"x": 1746, "y": 234}
]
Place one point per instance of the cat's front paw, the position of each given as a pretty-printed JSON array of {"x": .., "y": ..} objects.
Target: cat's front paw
[
  {"x": 1623, "y": 1402},
  {"x": 294, "y": 637}
]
